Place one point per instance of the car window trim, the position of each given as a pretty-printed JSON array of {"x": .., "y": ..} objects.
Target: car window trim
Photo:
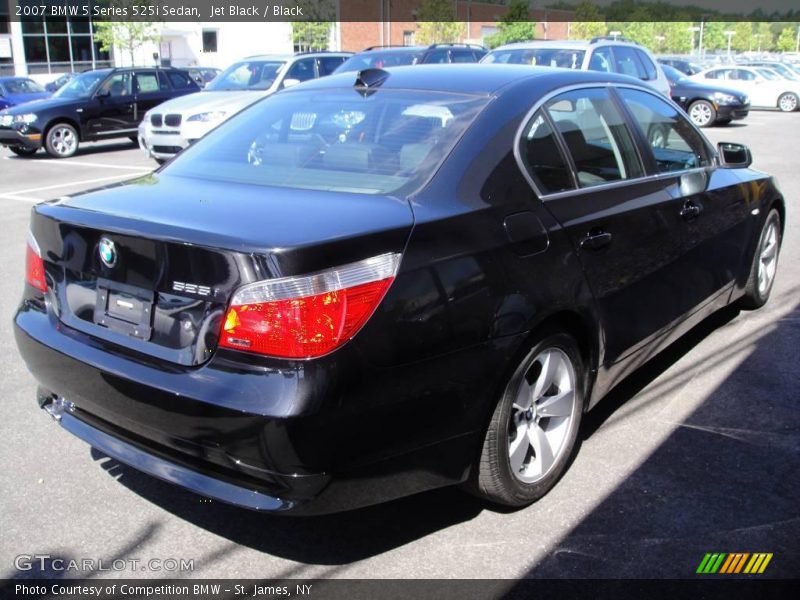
[{"x": 646, "y": 178}]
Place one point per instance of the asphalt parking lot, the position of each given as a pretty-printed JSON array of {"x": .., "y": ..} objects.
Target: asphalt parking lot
[{"x": 697, "y": 452}]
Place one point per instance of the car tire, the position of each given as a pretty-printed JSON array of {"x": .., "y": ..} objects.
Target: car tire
[
  {"x": 61, "y": 140},
  {"x": 702, "y": 113},
  {"x": 787, "y": 102},
  {"x": 20, "y": 151},
  {"x": 765, "y": 263},
  {"x": 526, "y": 449}
]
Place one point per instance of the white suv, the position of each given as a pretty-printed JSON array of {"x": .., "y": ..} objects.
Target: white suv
[
  {"x": 598, "y": 54},
  {"x": 172, "y": 126}
]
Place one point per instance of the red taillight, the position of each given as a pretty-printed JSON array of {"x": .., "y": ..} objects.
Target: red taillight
[
  {"x": 307, "y": 316},
  {"x": 34, "y": 266}
]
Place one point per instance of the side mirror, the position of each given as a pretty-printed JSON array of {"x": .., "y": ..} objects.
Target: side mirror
[
  {"x": 103, "y": 94},
  {"x": 290, "y": 82},
  {"x": 734, "y": 156}
]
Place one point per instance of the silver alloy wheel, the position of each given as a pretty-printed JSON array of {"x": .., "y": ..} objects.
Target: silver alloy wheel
[
  {"x": 768, "y": 258},
  {"x": 541, "y": 416},
  {"x": 700, "y": 113},
  {"x": 787, "y": 102},
  {"x": 63, "y": 140}
]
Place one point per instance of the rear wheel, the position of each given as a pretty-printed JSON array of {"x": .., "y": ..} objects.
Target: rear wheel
[
  {"x": 765, "y": 263},
  {"x": 20, "y": 151},
  {"x": 702, "y": 113},
  {"x": 787, "y": 102},
  {"x": 61, "y": 140},
  {"x": 534, "y": 427}
]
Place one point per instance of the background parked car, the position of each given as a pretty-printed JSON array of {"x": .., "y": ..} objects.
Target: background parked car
[
  {"x": 177, "y": 123},
  {"x": 203, "y": 75},
  {"x": 781, "y": 69},
  {"x": 379, "y": 57},
  {"x": 706, "y": 104},
  {"x": 604, "y": 54},
  {"x": 96, "y": 105},
  {"x": 684, "y": 65},
  {"x": 765, "y": 88},
  {"x": 60, "y": 81},
  {"x": 19, "y": 90}
]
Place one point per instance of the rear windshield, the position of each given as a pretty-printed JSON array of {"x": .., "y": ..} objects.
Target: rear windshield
[
  {"x": 566, "y": 58},
  {"x": 337, "y": 140},
  {"x": 380, "y": 60}
]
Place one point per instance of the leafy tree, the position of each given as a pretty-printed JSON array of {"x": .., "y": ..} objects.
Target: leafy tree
[
  {"x": 436, "y": 22},
  {"x": 762, "y": 37},
  {"x": 514, "y": 26},
  {"x": 787, "y": 40},
  {"x": 126, "y": 36},
  {"x": 311, "y": 35},
  {"x": 588, "y": 22},
  {"x": 742, "y": 40}
]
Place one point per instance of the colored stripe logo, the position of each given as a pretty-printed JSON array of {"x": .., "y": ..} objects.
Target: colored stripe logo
[{"x": 733, "y": 563}]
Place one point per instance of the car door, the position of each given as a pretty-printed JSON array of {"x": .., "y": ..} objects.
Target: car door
[
  {"x": 624, "y": 226},
  {"x": 714, "y": 226},
  {"x": 112, "y": 110},
  {"x": 755, "y": 86},
  {"x": 151, "y": 90}
]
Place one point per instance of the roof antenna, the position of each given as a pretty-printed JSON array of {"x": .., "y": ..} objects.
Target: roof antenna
[{"x": 370, "y": 78}]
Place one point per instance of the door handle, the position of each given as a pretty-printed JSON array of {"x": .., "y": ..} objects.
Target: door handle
[
  {"x": 690, "y": 211},
  {"x": 595, "y": 240}
]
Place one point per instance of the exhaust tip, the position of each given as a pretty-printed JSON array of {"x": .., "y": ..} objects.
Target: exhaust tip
[{"x": 55, "y": 406}]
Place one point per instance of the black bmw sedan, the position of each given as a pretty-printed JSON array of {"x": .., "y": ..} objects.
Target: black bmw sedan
[
  {"x": 384, "y": 282},
  {"x": 706, "y": 104},
  {"x": 93, "y": 106}
]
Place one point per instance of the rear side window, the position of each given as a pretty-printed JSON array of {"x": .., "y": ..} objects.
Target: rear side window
[
  {"x": 627, "y": 63},
  {"x": 542, "y": 157},
  {"x": 146, "y": 82},
  {"x": 649, "y": 68},
  {"x": 437, "y": 56},
  {"x": 336, "y": 140},
  {"x": 594, "y": 132},
  {"x": 328, "y": 64},
  {"x": 302, "y": 70},
  {"x": 179, "y": 80},
  {"x": 676, "y": 145}
]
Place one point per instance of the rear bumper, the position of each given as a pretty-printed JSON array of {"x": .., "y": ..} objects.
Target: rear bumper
[
  {"x": 266, "y": 438},
  {"x": 31, "y": 138},
  {"x": 173, "y": 473}
]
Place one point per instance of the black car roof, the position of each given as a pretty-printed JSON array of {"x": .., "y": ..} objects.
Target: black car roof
[{"x": 470, "y": 78}]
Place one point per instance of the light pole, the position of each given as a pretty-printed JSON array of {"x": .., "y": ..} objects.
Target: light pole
[
  {"x": 730, "y": 34},
  {"x": 692, "y": 30},
  {"x": 700, "y": 45}
]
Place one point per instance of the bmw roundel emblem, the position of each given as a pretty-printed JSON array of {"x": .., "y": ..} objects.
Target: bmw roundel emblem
[{"x": 108, "y": 252}]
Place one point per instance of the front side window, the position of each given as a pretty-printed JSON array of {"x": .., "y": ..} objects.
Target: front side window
[
  {"x": 601, "y": 60},
  {"x": 117, "y": 86},
  {"x": 302, "y": 70},
  {"x": 147, "y": 82},
  {"x": 336, "y": 140},
  {"x": 676, "y": 145},
  {"x": 247, "y": 75},
  {"x": 595, "y": 134},
  {"x": 649, "y": 68},
  {"x": 542, "y": 157}
]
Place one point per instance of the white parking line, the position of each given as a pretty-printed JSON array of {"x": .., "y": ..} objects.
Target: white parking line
[
  {"x": 69, "y": 163},
  {"x": 20, "y": 194}
]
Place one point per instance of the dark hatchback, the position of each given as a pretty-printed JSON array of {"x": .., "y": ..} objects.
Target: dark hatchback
[
  {"x": 96, "y": 105},
  {"x": 706, "y": 104},
  {"x": 372, "y": 285}
]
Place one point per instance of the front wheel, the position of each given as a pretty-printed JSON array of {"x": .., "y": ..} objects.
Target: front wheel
[
  {"x": 534, "y": 427},
  {"x": 765, "y": 263},
  {"x": 787, "y": 102},
  {"x": 702, "y": 113},
  {"x": 20, "y": 151},
  {"x": 61, "y": 140}
]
